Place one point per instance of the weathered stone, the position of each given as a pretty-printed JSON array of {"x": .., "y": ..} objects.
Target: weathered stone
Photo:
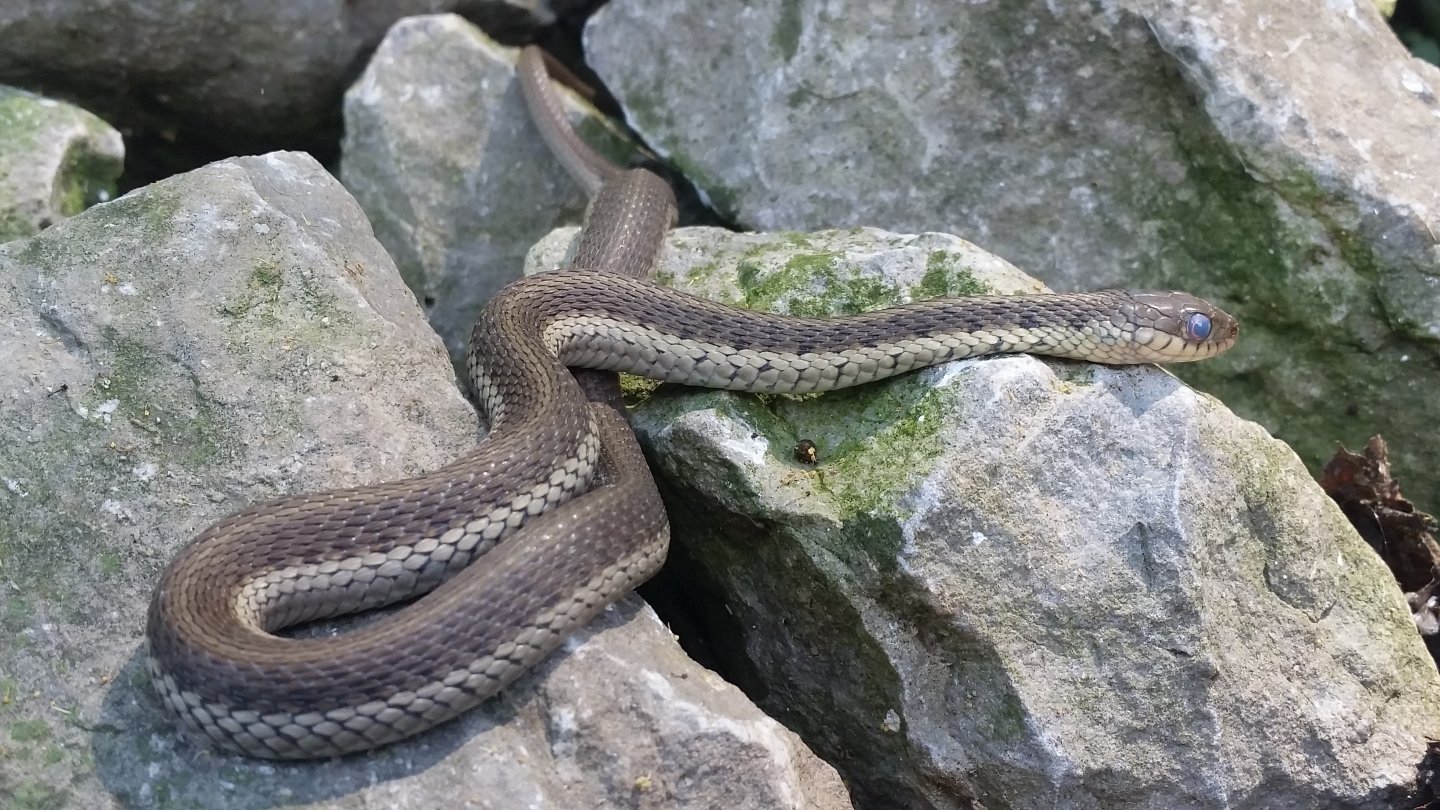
[
  {"x": 55, "y": 160},
  {"x": 233, "y": 334},
  {"x": 1015, "y": 582},
  {"x": 1279, "y": 158}
]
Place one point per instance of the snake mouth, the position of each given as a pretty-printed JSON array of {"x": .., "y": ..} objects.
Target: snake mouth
[
  {"x": 1186, "y": 349},
  {"x": 1178, "y": 327},
  {"x": 1224, "y": 332}
]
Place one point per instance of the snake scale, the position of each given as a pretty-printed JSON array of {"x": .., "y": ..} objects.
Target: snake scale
[{"x": 558, "y": 544}]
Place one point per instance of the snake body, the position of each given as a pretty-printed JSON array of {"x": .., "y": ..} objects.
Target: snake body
[{"x": 557, "y": 548}]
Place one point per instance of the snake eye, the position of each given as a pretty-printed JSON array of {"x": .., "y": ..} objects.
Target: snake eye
[{"x": 1197, "y": 325}]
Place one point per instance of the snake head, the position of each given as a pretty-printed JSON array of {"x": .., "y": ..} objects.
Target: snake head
[{"x": 1177, "y": 326}]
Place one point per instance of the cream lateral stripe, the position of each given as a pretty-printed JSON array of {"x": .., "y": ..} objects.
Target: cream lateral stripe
[
  {"x": 298, "y": 592},
  {"x": 462, "y": 674},
  {"x": 382, "y": 721},
  {"x": 579, "y": 311}
]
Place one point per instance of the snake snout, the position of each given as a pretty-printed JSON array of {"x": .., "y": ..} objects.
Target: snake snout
[{"x": 1194, "y": 328}]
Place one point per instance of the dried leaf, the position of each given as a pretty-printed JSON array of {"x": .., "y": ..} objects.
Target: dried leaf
[{"x": 1403, "y": 536}]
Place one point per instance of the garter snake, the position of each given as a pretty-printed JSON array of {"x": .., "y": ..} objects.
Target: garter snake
[{"x": 556, "y": 548}]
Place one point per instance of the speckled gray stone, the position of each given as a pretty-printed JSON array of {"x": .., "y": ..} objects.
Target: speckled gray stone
[
  {"x": 1278, "y": 158},
  {"x": 55, "y": 159},
  {"x": 223, "y": 337},
  {"x": 1018, "y": 583}
]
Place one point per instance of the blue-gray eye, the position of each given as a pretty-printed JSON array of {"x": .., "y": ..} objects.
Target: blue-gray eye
[{"x": 1198, "y": 325}]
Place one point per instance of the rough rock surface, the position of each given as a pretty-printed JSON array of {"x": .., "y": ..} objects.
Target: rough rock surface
[
  {"x": 451, "y": 172},
  {"x": 226, "y": 73},
  {"x": 230, "y": 335},
  {"x": 1281, "y": 158},
  {"x": 1022, "y": 583},
  {"x": 55, "y": 160}
]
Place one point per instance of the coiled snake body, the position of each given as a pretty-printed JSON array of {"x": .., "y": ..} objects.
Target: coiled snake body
[{"x": 556, "y": 548}]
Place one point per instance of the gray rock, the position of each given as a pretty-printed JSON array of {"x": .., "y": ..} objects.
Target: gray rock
[
  {"x": 55, "y": 160},
  {"x": 1023, "y": 583},
  {"x": 450, "y": 171},
  {"x": 223, "y": 337},
  {"x": 1276, "y": 157},
  {"x": 227, "y": 73}
]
